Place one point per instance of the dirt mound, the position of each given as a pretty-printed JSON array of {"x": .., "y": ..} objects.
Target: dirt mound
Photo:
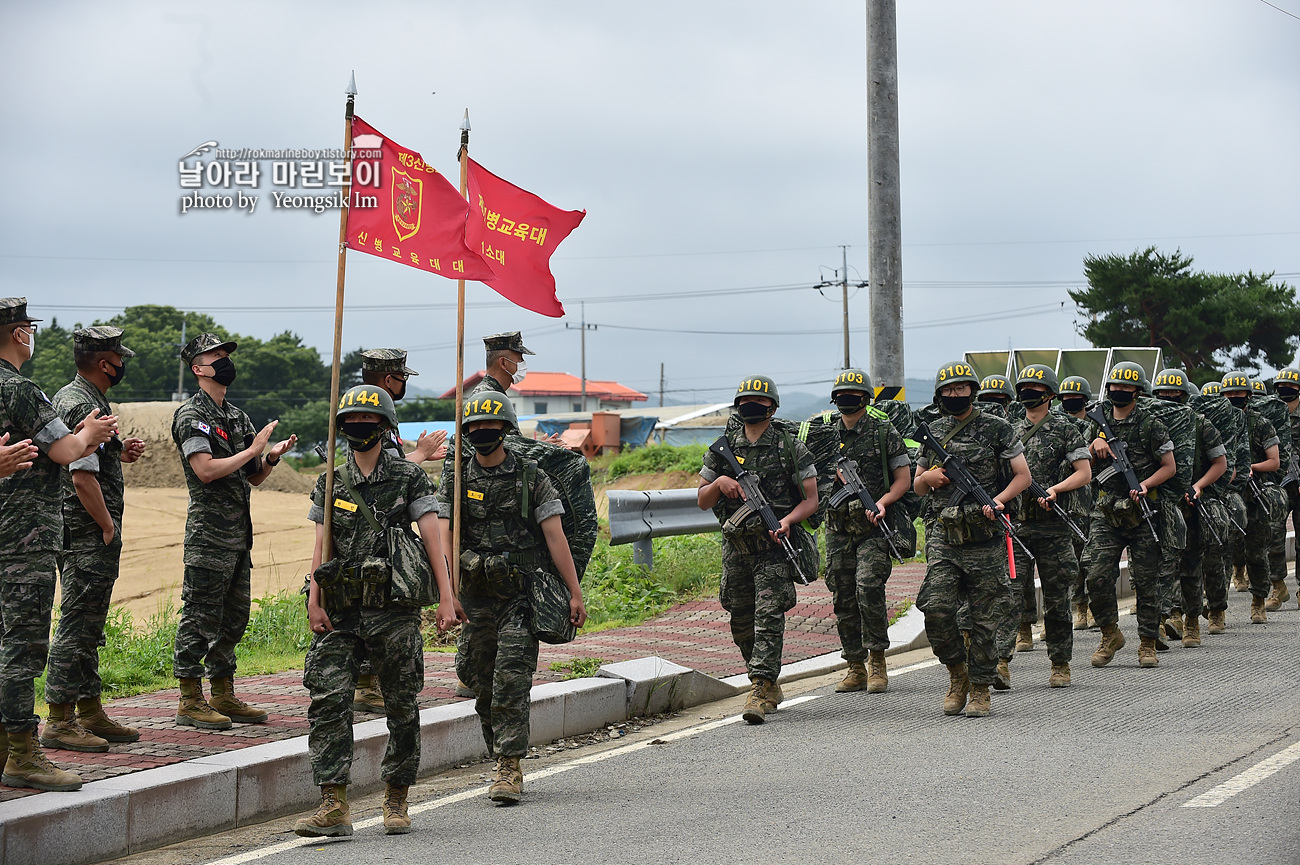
[
  {"x": 160, "y": 466},
  {"x": 659, "y": 481}
]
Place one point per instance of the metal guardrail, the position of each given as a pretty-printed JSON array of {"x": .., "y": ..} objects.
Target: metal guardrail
[{"x": 638, "y": 516}]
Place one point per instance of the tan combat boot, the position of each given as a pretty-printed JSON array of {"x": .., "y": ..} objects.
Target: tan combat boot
[
  {"x": 878, "y": 673},
  {"x": 508, "y": 782},
  {"x": 1174, "y": 624},
  {"x": 1161, "y": 644},
  {"x": 1192, "y": 632},
  {"x": 855, "y": 679},
  {"x": 1081, "y": 617},
  {"x": 91, "y": 716},
  {"x": 27, "y": 766},
  {"x": 463, "y": 690},
  {"x": 755, "y": 711},
  {"x": 978, "y": 706},
  {"x": 1025, "y": 638},
  {"x": 367, "y": 697},
  {"x": 1239, "y": 579},
  {"x": 63, "y": 733},
  {"x": 396, "y": 820},
  {"x": 1111, "y": 642},
  {"x": 333, "y": 819},
  {"x": 958, "y": 689},
  {"x": 225, "y": 702},
  {"x": 1147, "y": 653},
  {"x": 1257, "y": 614},
  {"x": 1060, "y": 677},
  {"x": 194, "y": 711},
  {"x": 1002, "y": 678},
  {"x": 1217, "y": 623},
  {"x": 1279, "y": 596},
  {"x": 773, "y": 698}
]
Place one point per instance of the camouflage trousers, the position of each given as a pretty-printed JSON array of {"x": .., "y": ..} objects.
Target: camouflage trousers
[
  {"x": 392, "y": 638},
  {"x": 1277, "y": 548},
  {"x": 757, "y": 590},
  {"x": 496, "y": 657},
  {"x": 1053, "y": 550},
  {"x": 1185, "y": 587},
  {"x": 1293, "y": 510},
  {"x": 86, "y": 578},
  {"x": 975, "y": 575},
  {"x": 26, "y": 602},
  {"x": 1258, "y": 546},
  {"x": 857, "y": 569},
  {"x": 1105, "y": 545},
  {"x": 1080, "y": 581},
  {"x": 216, "y": 595}
]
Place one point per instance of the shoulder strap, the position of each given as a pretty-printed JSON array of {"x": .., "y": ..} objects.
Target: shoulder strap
[
  {"x": 787, "y": 455},
  {"x": 359, "y": 501},
  {"x": 882, "y": 439},
  {"x": 530, "y": 476},
  {"x": 1024, "y": 439},
  {"x": 959, "y": 427},
  {"x": 878, "y": 414}
]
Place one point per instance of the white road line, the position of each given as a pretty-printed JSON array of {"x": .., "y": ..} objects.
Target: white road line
[{"x": 1247, "y": 779}]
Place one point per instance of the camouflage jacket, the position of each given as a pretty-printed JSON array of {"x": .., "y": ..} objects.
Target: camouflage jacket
[
  {"x": 494, "y": 503},
  {"x": 1209, "y": 447},
  {"x": 780, "y": 461},
  {"x": 1147, "y": 439},
  {"x": 985, "y": 445},
  {"x": 73, "y": 402},
  {"x": 862, "y": 444},
  {"x": 1294, "y": 417},
  {"x": 398, "y": 492},
  {"x": 1277, "y": 414},
  {"x": 1050, "y": 451},
  {"x": 30, "y": 500},
  {"x": 1263, "y": 435},
  {"x": 1231, "y": 426},
  {"x": 218, "y": 512}
]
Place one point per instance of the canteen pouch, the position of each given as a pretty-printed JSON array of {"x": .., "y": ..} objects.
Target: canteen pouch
[
  {"x": 502, "y": 579},
  {"x": 966, "y": 524},
  {"x": 411, "y": 583},
  {"x": 549, "y": 598},
  {"x": 471, "y": 566},
  {"x": 806, "y": 551},
  {"x": 906, "y": 528},
  {"x": 374, "y": 573},
  {"x": 1121, "y": 512},
  {"x": 336, "y": 591},
  {"x": 1274, "y": 503},
  {"x": 1215, "y": 513}
]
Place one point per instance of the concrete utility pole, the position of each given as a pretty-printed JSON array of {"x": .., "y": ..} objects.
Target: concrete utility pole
[
  {"x": 884, "y": 213},
  {"x": 661, "y": 384},
  {"x": 584, "y": 327},
  {"x": 843, "y": 283}
]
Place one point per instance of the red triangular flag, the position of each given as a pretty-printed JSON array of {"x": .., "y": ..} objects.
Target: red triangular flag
[{"x": 515, "y": 232}]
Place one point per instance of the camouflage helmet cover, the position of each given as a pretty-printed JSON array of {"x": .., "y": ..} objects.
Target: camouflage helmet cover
[{"x": 367, "y": 399}]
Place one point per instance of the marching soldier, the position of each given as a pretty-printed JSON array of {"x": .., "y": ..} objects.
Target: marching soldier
[
  {"x": 996, "y": 391},
  {"x": 1278, "y": 414},
  {"x": 1258, "y": 493},
  {"x": 1286, "y": 386},
  {"x": 1216, "y": 558},
  {"x": 1076, "y": 393}
]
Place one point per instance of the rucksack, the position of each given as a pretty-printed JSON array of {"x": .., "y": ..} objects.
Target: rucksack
[
  {"x": 571, "y": 477},
  {"x": 1180, "y": 420}
]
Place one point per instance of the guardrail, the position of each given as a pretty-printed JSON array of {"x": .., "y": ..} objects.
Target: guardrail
[{"x": 636, "y": 517}]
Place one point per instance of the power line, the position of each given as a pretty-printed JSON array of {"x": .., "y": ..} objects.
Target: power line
[{"x": 1280, "y": 9}]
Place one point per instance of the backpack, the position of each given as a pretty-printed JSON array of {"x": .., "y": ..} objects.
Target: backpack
[
  {"x": 1180, "y": 420},
  {"x": 571, "y": 476}
]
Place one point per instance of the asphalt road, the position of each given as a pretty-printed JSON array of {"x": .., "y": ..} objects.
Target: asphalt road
[{"x": 1103, "y": 771}]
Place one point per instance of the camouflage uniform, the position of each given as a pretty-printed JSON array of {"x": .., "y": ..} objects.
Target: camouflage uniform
[
  {"x": 972, "y": 573},
  {"x": 1276, "y": 412},
  {"x": 388, "y": 361},
  {"x": 30, "y": 536},
  {"x": 1181, "y": 422},
  {"x": 216, "y": 591},
  {"x": 399, "y": 492},
  {"x": 1216, "y": 558},
  {"x": 757, "y": 579},
  {"x": 1081, "y": 504},
  {"x": 497, "y": 654},
  {"x": 1148, "y": 440},
  {"x": 1050, "y": 451},
  {"x": 1189, "y": 575},
  {"x": 857, "y": 558},
  {"x": 900, "y": 415},
  {"x": 1261, "y": 523}
]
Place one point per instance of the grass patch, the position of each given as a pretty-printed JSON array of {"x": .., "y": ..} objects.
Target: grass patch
[
  {"x": 578, "y": 668},
  {"x": 619, "y": 593},
  {"x": 655, "y": 459}
]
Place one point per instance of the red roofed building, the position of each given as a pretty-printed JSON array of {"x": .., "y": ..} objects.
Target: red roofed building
[{"x": 551, "y": 392}]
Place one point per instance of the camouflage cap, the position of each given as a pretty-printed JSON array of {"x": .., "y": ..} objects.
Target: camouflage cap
[
  {"x": 14, "y": 309},
  {"x": 509, "y": 341},
  {"x": 205, "y": 342},
  {"x": 390, "y": 361},
  {"x": 102, "y": 337}
]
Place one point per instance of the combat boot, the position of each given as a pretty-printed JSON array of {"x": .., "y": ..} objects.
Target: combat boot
[
  {"x": 1147, "y": 653},
  {"x": 27, "y": 766},
  {"x": 773, "y": 698},
  {"x": 878, "y": 673},
  {"x": 1257, "y": 615},
  {"x": 194, "y": 711},
  {"x": 1239, "y": 580},
  {"x": 1217, "y": 625},
  {"x": 1081, "y": 617},
  {"x": 368, "y": 697},
  {"x": 63, "y": 733},
  {"x": 855, "y": 679},
  {"x": 396, "y": 820},
  {"x": 978, "y": 706},
  {"x": 755, "y": 709},
  {"x": 225, "y": 702},
  {"x": 1279, "y": 596},
  {"x": 508, "y": 782},
  {"x": 1161, "y": 644},
  {"x": 1192, "y": 632},
  {"x": 91, "y": 716},
  {"x": 1025, "y": 638},
  {"x": 1002, "y": 679},
  {"x": 1174, "y": 625},
  {"x": 463, "y": 690},
  {"x": 958, "y": 689},
  {"x": 1111, "y": 642},
  {"x": 1060, "y": 677},
  {"x": 333, "y": 819}
]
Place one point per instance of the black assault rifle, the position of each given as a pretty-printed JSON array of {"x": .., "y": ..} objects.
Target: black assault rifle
[
  {"x": 965, "y": 482},
  {"x": 1293, "y": 474},
  {"x": 756, "y": 502},
  {"x": 1036, "y": 491},
  {"x": 1122, "y": 466},
  {"x": 853, "y": 486}
]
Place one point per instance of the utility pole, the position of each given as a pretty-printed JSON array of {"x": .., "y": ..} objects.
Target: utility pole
[
  {"x": 843, "y": 283},
  {"x": 884, "y": 216},
  {"x": 661, "y": 384},
  {"x": 584, "y": 327}
]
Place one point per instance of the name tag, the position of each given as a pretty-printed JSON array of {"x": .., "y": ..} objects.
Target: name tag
[
  {"x": 475, "y": 495},
  {"x": 347, "y": 506}
]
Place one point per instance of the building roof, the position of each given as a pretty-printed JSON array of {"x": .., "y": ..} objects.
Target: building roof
[{"x": 539, "y": 384}]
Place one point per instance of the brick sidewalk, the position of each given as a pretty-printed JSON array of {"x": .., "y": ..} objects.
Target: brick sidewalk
[{"x": 695, "y": 635}]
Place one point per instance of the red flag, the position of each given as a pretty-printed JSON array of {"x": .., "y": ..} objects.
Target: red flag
[
  {"x": 404, "y": 210},
  {"x": 515, "y": 232}
]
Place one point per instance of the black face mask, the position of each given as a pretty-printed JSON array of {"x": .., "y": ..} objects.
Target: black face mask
[
  {"x": 1032, "y": 398},
  {"x": 401, "y": 394},
  {"x": 1171, "y": 395},
  {"x": 1073, "y": 404},
  {"x": 118, "y": 373},
  {"x": 753, "y": 412},
  {"x": 223, "y": 371},
  {"x": 486, "y": 440},
  {"x": 850, "y": 401},
  {"x": 954, "y": 405},
  {"x": 362, "y": 435},
  {"x": 1121, "y": 397},
  {"x": 1239, "y": 401},
  {"x": 1286, "y": 394},
  {"x": 1000, "y": 400}
]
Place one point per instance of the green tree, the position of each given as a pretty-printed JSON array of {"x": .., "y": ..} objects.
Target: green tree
[
  {"x": 1203, "y": 321},
  {"x": 425, "y": 409},
  {"x": 153, "y": 332},
  {"x": 51, "y": 366}
]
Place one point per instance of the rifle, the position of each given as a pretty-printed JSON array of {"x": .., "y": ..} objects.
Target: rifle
[
  {"x": 965, "y": 482},
  {"x": 1036, "y": 490},
  {"x": 1256, "y": 490},
  {"x": 756, "y": 501},
  {"x": 1293, "y": 473},
  {"x": 1196, "y": 506},
  {"x": 853, "y": 486},
  {"x": 1121, "y": 465}
]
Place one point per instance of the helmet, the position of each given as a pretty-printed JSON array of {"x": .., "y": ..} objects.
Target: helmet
[
  {"x": 1128, "y": 372},
  {"x": 996, "y": 385},
  {"x": 852, "y": 379},
  {"x": 1195, "y": 391},
  {"x": 1259, "y": 386},
  {"x": 953, "y": 373},
  {"x": 1076, "y": 385},
  {"x": 367, "y": 398},
  {"x": 758, "y": 385},
  {"x": 1236, "y": 381},
  {"x": 1287, "y": 375},
  {"x": 490, "y": 406},
  {"x": 1174, "y": 379},
  {"x": 1211, "y": 388},
  {"x": 1038, "y": 373}
]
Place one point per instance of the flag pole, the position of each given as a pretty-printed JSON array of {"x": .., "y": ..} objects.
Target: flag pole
[
  {"x": 328, "y": 504},
  {"x": 463, "y": 157}
]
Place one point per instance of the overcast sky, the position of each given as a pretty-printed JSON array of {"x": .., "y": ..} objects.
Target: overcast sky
[{"x": 714, "y": 145}]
